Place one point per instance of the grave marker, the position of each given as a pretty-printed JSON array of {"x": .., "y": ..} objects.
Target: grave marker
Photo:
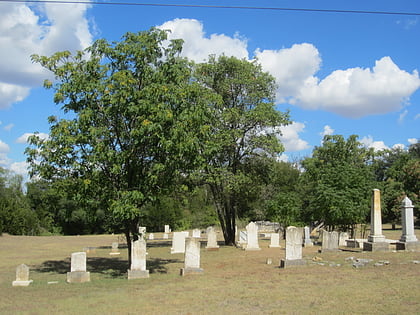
[
  {"x": 211, "y": 239},
  {"x": 329, "y": 241},
  {"x": 376, "y": 240},
  {"x": 293, "y": 248},
  {"x": 22, "y": 276},
  {"x": 274, "y": 240},
  {"x": 78, "y": 273},
  {"x": 138, "y": 260},
  {"x": 192, "y": 257},
  {"x": 178, "y": 242},
  {"x": 114, "y": 249},
  {"x": 408, "y": 240},
  {"x": 252, "y": 237},
  {"x": 307, "y": 242}
]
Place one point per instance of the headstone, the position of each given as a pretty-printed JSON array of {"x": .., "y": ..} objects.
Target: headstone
[
  {"x": 252, "y": 237},
  {"x": 78, "y": 273},
  {"x": 142, "y": 231},
  {"x": 376, "y": 240},
  {"x": 293, "y": 248},
  {"x": 211, "y": 239},
  {"x": 329, "y": 241},
  {"x": 307, "y": 242},
  {"x": 114, "y": 249},
  {"x": 151, "y": 236},
  {"x": 342, "y": 238},
  {"x": 165, "y": 236},
  {"x": 167, "y": 229},
  {"x": 274, "y": 240},
  {"x": 22, "y": 276},
  {"x": 192, "y": 257},
  {"x": 178, "y": 242},
  {"x": 196, "y": 233},
  {"x": 243, "y": 238},
  {"x": 408, "y": 240},
  {"x": 138, "y": 260}
]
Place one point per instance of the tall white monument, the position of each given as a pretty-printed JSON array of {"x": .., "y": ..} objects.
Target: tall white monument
[{"x": 376, "y": 240}]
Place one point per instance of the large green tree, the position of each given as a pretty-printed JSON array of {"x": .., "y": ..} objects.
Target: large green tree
[
  {"x": 245, "y": 125},
  {"x": 338, "y": 182},
  {"x": 133, "y": 125}
]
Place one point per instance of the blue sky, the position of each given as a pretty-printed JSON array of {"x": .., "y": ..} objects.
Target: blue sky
[{"x": 338, "y": 73}]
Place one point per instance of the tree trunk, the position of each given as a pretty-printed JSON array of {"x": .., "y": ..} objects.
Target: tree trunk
[{"x": 128, "y": 239}]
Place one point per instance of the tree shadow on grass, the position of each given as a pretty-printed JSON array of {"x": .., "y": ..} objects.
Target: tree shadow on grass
[{"x": 111, "y": 267}]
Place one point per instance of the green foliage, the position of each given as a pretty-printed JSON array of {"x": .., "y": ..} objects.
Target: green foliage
[
  {"x": 337, "y": 182},
  {"x": 244, "y": 126}
]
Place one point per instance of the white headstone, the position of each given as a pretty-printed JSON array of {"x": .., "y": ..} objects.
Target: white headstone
[
  {"x": 167, "y": 229},
  {"x": 274, "y": 240},
  {"x": 307, "y": 242},
  {"x": 138, "y": 260},
  {"x": 178, "y": 242},
  {"x": 252, "y": 237},
  {"x": 165, "y": 236},
  {"x": 142, "y": 231},
  {"x": 293, "y": 243},
  {"x": 342, "y": 238},
  {"x": 211, "y": 238},
  {"x": 114, "y": 249},
  {"x": 22, "y": 276},
  {"x": 407, "y": 221},
  {"x": 192, "y": 256},
  {"x": 78, "y": 271},
  {"x": 329, "y": 241},
  {"x": 151, "y": 236},
  {"x": 196, "y": 233}
]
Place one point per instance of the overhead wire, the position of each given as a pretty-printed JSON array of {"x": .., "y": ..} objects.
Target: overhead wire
[{"x": 206, "y": 6}]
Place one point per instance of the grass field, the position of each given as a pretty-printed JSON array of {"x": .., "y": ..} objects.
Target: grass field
[{"x": 234, "y": 281}]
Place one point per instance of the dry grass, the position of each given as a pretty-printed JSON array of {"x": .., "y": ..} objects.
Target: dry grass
[{"x": 234, "y": 281}]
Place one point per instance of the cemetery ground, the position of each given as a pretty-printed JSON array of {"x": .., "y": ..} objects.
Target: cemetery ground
[{"x": 234, "y": 280}]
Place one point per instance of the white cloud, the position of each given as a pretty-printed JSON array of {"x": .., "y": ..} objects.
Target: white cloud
[
  {"x": 417, "y": 117},
  {"x": 4, "y": 150},
  {"x": 36, "y": 29},
  {"x": 402, "y": 116},
  {"x": 20, "y": 168},
  {"x": 24, "y": 138},
  {"x": 290, "y": 66},
  {"x": 8, "y": 127},
  {"x": 290, "y": 137},
  {"x": 327, "y": 131},
  {"x": 358, "y": 92},
  {"x": 283, "y": 158},
  {"x": 376, "y": 145},
  {"x": 197, "y": 46},
  {"x": 399, "y": 146},
  {"x": 412, "y": 140}
]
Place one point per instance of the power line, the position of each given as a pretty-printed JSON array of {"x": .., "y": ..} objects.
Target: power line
[{"x": 204, "y": 6}]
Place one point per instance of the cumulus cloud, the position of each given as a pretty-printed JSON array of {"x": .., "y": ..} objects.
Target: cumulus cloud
[
  {"x": 36, "y": 29},
  {"x": 4, "y": 150},
  {"x": 327, "y": 131},
  {"x": 24, "y": 138},
  {"x": 358, "y": 92},
  {"x": 399, "y": 146},
  {"x": 198, "y": 46},
  {"x": 368, "y": 142},
  {"x": 8, "y": 127},
  {"x": 290, "y": 137},
  {"x": 412, "y": 140},
  {"x": 290, "y": 66},
  {"x": 402, "y": 116},
  {"x": 20, "y": 168}
]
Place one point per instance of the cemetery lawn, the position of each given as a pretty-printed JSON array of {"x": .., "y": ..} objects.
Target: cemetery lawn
[{"x": 234, "y": 281}]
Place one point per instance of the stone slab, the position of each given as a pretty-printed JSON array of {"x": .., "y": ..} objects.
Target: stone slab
[
  {"x": 21, "y": 283},
  {"x": 408, "y": 246},
  {"x": 137, "y": 274},
  {"x": 191, "y": 271},
  {"x": 78, "y": 276},
  {"x": 376, "y": 246},
  {"x": 289, "y": 262}
]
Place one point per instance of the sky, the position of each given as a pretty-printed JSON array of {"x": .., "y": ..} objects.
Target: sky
[{"x": 337, "y": 73}]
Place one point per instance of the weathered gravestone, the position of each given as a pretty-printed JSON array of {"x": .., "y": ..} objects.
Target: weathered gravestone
[
  {"x": 142, "y": 231},
  {"x": 243, "y": 237},
  {"x": 138, "y": 260},
  {"x": 151, "y": 236},
  {"x": 307, "y": 242},
  {"x": 329, "y": 241},
  {"x": 114, "y": 249},
  {"x": 22, "y": 276},
  {"x": 167, "y": 229},
  {"x": 342, "y": 238},
  {"x": 211, "y": 239},
  {"x": 196, "y": 233},
  {"x": 252, "y": 237},
  {"x": 165, "y": 236},
  {"x": 178, "y": 242},
  {"x": 293, "y": 248},
  {"x": 192, "y": 257},
  {"x": 408, "y": 240},
  {"x": 78, "y": 273},
  {"x": 274, "y": 240},
  {"x": 376, "y": 240}
]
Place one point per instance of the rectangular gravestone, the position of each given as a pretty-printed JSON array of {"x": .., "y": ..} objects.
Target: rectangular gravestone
[
  {"x": 342, "y": 238},
  {"x": 376, "y": 240},
  {"x": 114, "y": 249},
  {"x": 274, "y": 240},
  {"x": 252, "y": 237},
  {"x": 22, "y": 276},
  {"x": 138, "y": 260},
  {"x": 211, "y": 239},
  {"x": 408, "y": 240},
  {"x": 329, "y": 241},
  {"x": 167, "y": 229},
  {"x": 165, "y": 236},
  {"x": 151, "y": 236},
  {"x": 178, "y": 242},
  {"x": 192, "y": 257},
  {"x": 196, "y": 233},
  {"x": 293, "y": 248},
  {"x": 78, "y": 273},
  {"x": 307, "y": 242}
]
